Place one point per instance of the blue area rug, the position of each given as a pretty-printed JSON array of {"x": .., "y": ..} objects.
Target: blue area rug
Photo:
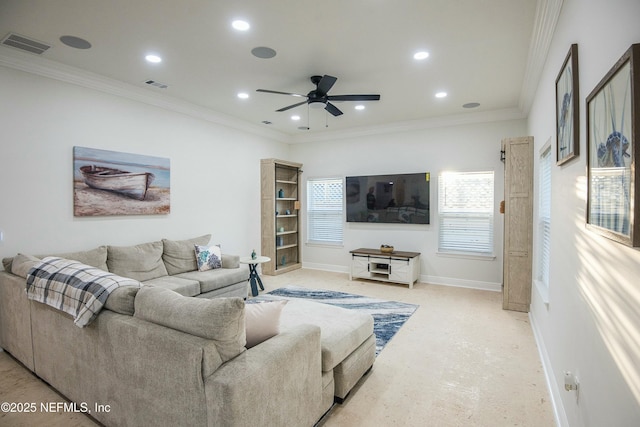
[{"x": 388, "y": 316}]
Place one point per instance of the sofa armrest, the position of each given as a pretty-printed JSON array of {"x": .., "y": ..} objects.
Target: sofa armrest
[
  {"x": 230, "y": 261},
  {"x": 277, "y": 382}
]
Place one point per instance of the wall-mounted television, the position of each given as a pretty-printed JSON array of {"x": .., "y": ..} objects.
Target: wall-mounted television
[{"x": 397, "y": 198}]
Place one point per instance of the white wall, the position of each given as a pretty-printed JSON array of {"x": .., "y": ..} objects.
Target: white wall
[
  {"x": 215, "y": 173},
  {"x": 463, "y": 147},
  {"x": 591, "y": 325}
]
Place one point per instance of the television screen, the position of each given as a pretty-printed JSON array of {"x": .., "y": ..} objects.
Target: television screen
[{"x": 399, "y": 198}]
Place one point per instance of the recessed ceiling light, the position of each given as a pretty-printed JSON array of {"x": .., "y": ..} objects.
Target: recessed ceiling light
[
  {"x": 441, "y": 95},
  {"x": 359, "y": 107},
  {"x": 243, "y": 95},
  {"x": 240, "y": 25},
  {"x": 471, "y": 105},
  {"x": 295, "y": 117},
  {"x": 421, "y": 55},
  {"x": 153, "y": 58}
]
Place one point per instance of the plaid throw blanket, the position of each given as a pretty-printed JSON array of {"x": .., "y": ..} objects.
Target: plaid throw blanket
[{"x": 75, "y": 288}]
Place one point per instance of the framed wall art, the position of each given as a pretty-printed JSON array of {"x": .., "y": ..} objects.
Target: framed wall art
[
  {"x": 115, "y": 183},
  {"x": 567, "y": 109},
  {"x": 613, "y": 130}
]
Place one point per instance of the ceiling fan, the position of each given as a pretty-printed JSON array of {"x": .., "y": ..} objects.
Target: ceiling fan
[{"x": 320, "y": 97}]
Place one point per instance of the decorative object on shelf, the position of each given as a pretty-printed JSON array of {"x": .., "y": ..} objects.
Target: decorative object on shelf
[
  {"x": 386, "y": 249},
  {"x": 613, "y": 141},
  {"x": 287, "y": 212},
  {"x": 567, "y": 109},
  {"x": 296, "y": 205},
  {"x": 283, "y": 260},
  {"x": 253, "y": 254},
  {"x": 277, "y": 213},
  {"x": 279, "y": 241},
  {"x": 281, "y": 229},
  {"x": 281, "y": 193}
]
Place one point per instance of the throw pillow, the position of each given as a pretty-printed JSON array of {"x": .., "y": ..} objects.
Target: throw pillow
[
  {"x": 208, "y": 257},
  {"x": 262, "y": 321}
]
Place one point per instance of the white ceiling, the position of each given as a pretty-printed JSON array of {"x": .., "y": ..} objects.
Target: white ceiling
[{"x": 479, "y": 52}]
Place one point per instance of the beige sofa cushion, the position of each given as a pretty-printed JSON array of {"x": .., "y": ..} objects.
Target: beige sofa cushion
[
  {"x": 343, "y": 330},
  {"x": 220, "y": 319},
  {"x": 141, "y": 262},
  {"x": 94, "y": 257},
  {"x": 185, "y": 287},
  {"x": 179, "y": 255},
  {"x": 211, "y": 280}
]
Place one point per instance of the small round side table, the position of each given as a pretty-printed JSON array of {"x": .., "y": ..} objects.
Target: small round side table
[{"x": 254, "y": 278}]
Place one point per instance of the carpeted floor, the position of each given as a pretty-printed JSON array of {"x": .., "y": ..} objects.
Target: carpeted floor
[{"x": 388, "y": 316}]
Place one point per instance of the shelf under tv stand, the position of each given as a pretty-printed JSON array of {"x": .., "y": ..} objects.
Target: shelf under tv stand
[{"x": 397, "y": 267}]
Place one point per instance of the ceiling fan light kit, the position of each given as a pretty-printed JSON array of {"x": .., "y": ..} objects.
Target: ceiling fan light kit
[{"x": 320, "y": 98}]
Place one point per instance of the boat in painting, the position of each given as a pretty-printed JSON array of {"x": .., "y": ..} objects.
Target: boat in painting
[{"x": 131, "y": 184}]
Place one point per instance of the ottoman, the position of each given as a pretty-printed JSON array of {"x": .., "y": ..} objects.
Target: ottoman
[{"x": 347, "y": 340}]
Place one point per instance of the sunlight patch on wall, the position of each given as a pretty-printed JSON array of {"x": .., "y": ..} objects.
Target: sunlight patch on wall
[{"x": 607, "y": 282}]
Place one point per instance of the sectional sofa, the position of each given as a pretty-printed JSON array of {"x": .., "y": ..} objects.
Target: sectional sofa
[{"x": 157, "y": 356}]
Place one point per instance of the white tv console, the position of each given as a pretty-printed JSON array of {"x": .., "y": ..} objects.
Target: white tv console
[{"x": 397, "y": 266}]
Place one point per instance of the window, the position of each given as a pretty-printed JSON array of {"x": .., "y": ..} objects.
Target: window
[
  {"x": 544, "y": 217},
  {"x": 324, "y": 210},
  {"x": 465, "y": 212}
]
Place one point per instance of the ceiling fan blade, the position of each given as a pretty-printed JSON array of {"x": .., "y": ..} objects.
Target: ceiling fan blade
[
  {"x": 333, "y": 109},
  {"x": 280, "y": 93},
  {"x": 325, "y": 83},
  {"x": 291, "y": 106},
  {"x": 353, "y": 97}
]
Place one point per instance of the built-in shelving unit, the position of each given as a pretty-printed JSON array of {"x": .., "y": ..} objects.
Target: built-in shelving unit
[{"x": 280, "y": 215}]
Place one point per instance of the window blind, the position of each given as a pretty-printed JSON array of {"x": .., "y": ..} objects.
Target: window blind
[
  {"x": 544, "y": 217},
  {"x": 465, "y": 212},
  {"x": 325, "y": 210}
]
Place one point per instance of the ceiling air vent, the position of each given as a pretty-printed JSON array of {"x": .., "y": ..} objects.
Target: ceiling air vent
[
  {"x": 25, "y": 43},
  {"x": 156, "y": 84}
]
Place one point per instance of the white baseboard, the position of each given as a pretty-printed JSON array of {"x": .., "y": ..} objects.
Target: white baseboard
[
  {"x": 444, "y": 281},
  {"x": 552, "y": 385},
  {"x": 325, "y": 267},
  {"x": 461, "y": 283}
]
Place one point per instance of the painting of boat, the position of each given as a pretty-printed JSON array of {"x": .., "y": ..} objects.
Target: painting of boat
[
  {"x": 130, "y": 184},
  {"x": 107, "y": 183}
]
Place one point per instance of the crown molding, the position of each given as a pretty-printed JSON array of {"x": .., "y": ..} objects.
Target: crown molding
[
  {"x": 414, "y": 125},
  {"x": 57, "y": 71},
  {"x": 544, "y": 26}
]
